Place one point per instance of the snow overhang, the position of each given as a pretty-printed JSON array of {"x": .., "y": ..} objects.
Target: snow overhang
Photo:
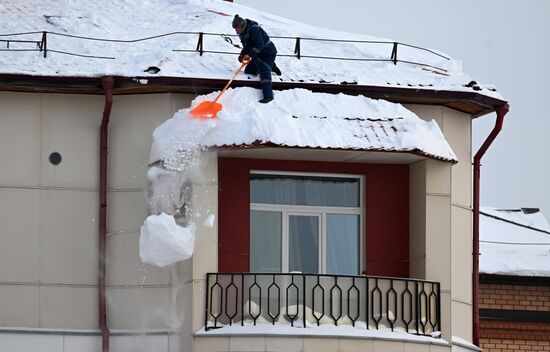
[{"x": 300, "y": 119}]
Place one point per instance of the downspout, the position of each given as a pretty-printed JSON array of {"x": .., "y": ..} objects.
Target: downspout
[
  {"x": 501, "y": 112},
  {"x": 107, "y": 83}
]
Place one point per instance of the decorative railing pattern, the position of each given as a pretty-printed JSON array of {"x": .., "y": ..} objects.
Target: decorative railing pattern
[
  {"x": 39, "y": 43},
  {"x": 305, "y": 300}
]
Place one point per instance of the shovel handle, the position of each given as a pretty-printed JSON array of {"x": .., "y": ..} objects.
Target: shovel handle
[{"x": 231, "y": 80}]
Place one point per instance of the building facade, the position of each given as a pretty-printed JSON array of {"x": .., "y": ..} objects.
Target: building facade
[
  {"x": 415, "y": 223},
  {"x": 313, "y": 248}
]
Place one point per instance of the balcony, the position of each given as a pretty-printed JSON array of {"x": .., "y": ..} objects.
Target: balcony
[{"x": 313, "y": 300}]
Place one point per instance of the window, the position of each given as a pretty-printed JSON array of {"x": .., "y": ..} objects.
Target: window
[{"x": 305, "y": 223}]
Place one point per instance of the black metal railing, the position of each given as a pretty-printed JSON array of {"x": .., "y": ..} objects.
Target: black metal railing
[
  {"x": 296, "y": 50},
  {"x": 304, "y": 300}
]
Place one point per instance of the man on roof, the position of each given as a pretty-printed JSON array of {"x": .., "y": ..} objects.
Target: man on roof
[{"x": 260, "y": 50}]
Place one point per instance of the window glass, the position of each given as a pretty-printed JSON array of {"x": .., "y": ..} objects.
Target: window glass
[
  {"x": 342, "y": 244},
  {"x": 303, "y": 244},
  {"x": 265, "y": 241},
  {"x": 304, "y": 190}
]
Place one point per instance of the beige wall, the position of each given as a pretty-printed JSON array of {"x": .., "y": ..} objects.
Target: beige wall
[
  {"x": 48, "y": 221},
  {"x": 49, "y": 214},
  {"x": 49, "y": 218},
  {"x": 138, "y": 295},
  {"x": 298, "y": 343},
  {"x": 417, "y": 220},
  {"x": 430, "y": 230},
  {"x": 205, "y": 257},
  {"x": 456, "y": 128}
]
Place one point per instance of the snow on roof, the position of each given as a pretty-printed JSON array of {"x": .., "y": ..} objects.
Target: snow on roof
[
  {"x": 510, "y": 243},
  {"x": 130, "y": 20},
  {"x": 299, "y": 118}
]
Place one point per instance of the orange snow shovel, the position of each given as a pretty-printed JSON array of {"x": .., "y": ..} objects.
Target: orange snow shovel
[{"x": 207, "y": 109}]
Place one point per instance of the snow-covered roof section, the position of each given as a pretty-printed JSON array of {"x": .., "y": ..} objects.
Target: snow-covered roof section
[
  {"x": 130, "y": 20},
  {"x": 514, "y": 242},
  {"x": 300, "y": 118}
]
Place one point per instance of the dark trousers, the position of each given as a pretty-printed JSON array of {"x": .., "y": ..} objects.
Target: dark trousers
[{"x": 262, "y": 64}]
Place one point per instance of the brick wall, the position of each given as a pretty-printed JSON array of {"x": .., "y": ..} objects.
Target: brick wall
[
  {"x": 498, "y": 345},
  {"x": 514, "y": 297},
  {"x": 499, "y": 336},
  {"x": 506, "y": 330},
  {"x": 514, "y": 336}
]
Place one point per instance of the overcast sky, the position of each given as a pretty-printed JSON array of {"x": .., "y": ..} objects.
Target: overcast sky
[{"x": 500, "y": 42}]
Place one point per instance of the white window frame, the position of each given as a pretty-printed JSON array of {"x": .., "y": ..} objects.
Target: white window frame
[{"x": 320, "y": 211}]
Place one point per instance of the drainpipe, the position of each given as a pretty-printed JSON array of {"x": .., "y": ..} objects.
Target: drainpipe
[
  {"x": 501, "y": 112},
  {"x": 107, "y": 83}
]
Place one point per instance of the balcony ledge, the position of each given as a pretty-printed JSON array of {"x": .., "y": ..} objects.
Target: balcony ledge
[
  {"x": 324, "y": 330},
  {"x": 458, "y": 341}
]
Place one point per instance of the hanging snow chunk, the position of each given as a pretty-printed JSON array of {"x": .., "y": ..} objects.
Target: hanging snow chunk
[
  {"x": 209, "y": 221},
  {"x": 162, "y": 242}
]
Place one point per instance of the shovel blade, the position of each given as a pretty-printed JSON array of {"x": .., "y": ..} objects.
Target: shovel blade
[{"x": 206, "y": 110}]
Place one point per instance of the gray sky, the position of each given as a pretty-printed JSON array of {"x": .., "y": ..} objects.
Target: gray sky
[{"x": 500, "y": 42}]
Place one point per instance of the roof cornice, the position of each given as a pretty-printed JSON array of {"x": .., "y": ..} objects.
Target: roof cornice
[
  {"x": 514, "y": 280},
  {"x": 473, "y": 103}
]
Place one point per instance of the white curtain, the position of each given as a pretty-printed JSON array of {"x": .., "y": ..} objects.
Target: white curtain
[
  {"x": 265, "y": 241},
  {"x": 342, "y": 244},
  {"x": 298, "y": 190},
  {"x": 303, "y": 244}
]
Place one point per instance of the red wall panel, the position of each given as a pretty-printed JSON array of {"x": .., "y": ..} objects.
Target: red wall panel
[
  {"x": 386, "y": 208},
  {"x": 387, "y": 220},
  {"x": 233, "y": 214}
]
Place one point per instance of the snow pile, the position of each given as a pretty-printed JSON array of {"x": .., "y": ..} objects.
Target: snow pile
[
  {"x": 298, "y": 118},
  {"x": 510, "y": 249},
  {"x": 162, "y": 242},
  {"x": 132, "y": 20}
]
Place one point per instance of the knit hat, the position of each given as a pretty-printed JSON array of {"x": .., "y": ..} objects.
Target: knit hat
[{"x": 238, "y": 21}]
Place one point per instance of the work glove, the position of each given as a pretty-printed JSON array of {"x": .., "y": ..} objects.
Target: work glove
[{"x": 245, "y": 58}]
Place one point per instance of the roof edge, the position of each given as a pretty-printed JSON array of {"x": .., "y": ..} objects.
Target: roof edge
[
  {"x": 259, "y": 144},
  {"x": 482, "y": 104},
  {"x": 513, "y": 280},
  {"x": 513, "y": 222}
]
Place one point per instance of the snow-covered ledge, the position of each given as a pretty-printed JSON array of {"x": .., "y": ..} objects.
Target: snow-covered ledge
[
  {"x": 324, "y": 330},
  {"x": 459, "y": 344}
]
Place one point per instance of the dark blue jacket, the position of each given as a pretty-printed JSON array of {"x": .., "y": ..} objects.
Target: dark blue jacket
[{"x": 256, "y": 41}]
